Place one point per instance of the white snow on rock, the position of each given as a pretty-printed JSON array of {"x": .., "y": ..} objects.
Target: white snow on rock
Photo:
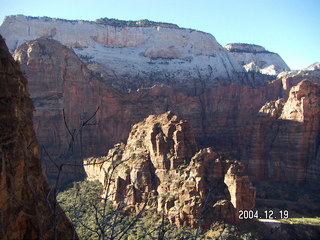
[
  {"x": 161, "y": 50},
  {"x": 257, "y": 58}
]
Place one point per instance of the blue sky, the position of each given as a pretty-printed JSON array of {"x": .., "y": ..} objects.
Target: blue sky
[{"x": 288, "y": 27}]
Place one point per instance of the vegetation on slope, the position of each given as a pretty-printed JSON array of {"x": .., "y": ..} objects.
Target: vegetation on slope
[{"x": 94, "y": 218}]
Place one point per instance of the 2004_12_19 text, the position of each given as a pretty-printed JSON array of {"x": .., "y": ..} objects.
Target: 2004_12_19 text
[{"x": 266, "y": 214}]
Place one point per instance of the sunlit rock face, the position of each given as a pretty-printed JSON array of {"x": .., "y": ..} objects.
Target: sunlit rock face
[
  {"x": 256, "y": 58},
  {"x": 136, "y": 54},
  {"x": 303, "y": 104},
  {"x": 161, "y": 167},
  {"x": 286, "y": 137},
  {"x": 28, "y": 208}
]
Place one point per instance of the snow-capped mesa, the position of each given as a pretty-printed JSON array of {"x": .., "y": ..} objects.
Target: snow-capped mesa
[
  {"x": 256, "y": 58},
  {"x": 139, "y": 50}
]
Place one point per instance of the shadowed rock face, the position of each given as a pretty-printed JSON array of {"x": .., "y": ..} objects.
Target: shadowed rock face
[
  {"x": 28, "y": 210},
  {"x": 224, "y": 115},
  {"x": 160, "y": 166},
  {"x": 66, "y": 95}
]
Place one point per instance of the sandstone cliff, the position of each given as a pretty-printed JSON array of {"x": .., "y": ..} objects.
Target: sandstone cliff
[
  {"x": 28, "y": 209},
  {"x": 64, "y": 98},
  {"x": 160, "y": 166},
  {"x": 135, "y": 57},
  {"x": 256, "y": 58},
  {"x": 288, "y": 141},
  {"x": 223, "y": 114}
]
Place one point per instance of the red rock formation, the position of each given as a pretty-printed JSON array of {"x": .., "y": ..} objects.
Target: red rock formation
[
  {"x": 66, "y": 96},
  {"x": 224, "y": 115},
  {"x": 303, "y": 103},
  {"x": 286, "y": 147},
  {"x": 159, "y": 165},
  {"x": 28, "y": 209},
  {"x": 242, "y": 196}
]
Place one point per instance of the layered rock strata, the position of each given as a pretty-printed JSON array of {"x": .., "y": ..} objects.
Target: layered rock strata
[
  {"x": 137, "y": 56},
  {"x": 224, "y": 114},
  {"x": 160, "y": 166},
  {"x": 64, "y": 95},
  {"x": 289, "y": 139},
  {"x": 256, "y": 58},
  {"x": 28, "y": 208}
]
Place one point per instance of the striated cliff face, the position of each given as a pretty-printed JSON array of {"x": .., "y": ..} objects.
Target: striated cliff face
[
  {"x": 28, "y": 209},
  {"x": 161, "y": 167},
  {"x": 289, "y": 140},
  {"x": 223, "y": 114},
  {"x": 63, "y": 93},
  {"x": 256, "y": 58},
  {"x": 303, "y": 103},
  {"x": 133, "y": 56}
]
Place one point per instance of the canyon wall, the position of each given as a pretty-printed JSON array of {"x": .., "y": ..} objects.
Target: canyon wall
[
  {"x": 285, "y": 136},
  {"x": 28, "y": 208},
  {"x": 85, "y": 103},
  {"x": 223, "y": 114}
]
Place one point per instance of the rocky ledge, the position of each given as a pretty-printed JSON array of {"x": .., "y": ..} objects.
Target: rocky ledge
[{"x": 160, "y": 167}]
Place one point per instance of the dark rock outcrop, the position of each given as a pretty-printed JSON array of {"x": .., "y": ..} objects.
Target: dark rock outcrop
[
  {"x": 28, "y": 209},
  {"x": 160, "y": 166}
]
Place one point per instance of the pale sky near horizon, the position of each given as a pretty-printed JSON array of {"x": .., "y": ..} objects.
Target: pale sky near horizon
[{"x": 287, "y": 27}]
